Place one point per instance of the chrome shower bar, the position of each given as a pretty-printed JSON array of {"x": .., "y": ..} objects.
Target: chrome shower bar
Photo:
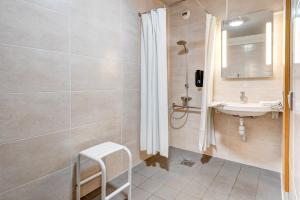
[{"x": 185, "y": 107}]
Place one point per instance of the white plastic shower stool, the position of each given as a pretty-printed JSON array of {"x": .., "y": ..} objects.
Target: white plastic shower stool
[{"x": 97, "y": 153}]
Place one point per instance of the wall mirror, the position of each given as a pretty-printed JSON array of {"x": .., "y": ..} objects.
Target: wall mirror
[{"x": 247, "y": 46}]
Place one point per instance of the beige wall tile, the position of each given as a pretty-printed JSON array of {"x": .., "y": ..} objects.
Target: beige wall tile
[
  {"x": 26, "y": 24},
  {"x": 137, "y": 155},
  {"x": 130, "y": 50},
  {"x": 88, "y": 168},
  {"x": 265, "y": 129},
  {"x": 37, "y": 99},
  {"x": 132, "y": 103},
  {"x": 32, "y": 70},
  {"x": 28, "y": 115},
  {"x": 61, "y": 6},
  {"x": 263, "y": 148},
  {"x": 99, "y": 13},
  {"x": 193, "y": 31},
  {"x": 92, "y": 134},
  {"x": 27, "y": 160},
  {"x": 114, "y": 166},
  {"x": 90, "y": 40},
  {"x": 228, "y": 89},
  {"x": 94, "y": 106},
  {"x": 130, "y": 21},
  {"x": 130, "y": 129},
  {"x": 131, "y": 75},
  {"x": 131, "y": 116},
  {"x": 254, "y": 153},
  {"x": 143, "y": 6},
  {"x": 95, "y": 74},
  {"x": 53, "y": 186},
  {"x": 132, "y": 80}
]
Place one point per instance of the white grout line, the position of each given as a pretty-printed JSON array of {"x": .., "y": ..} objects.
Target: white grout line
[
  {"x": 38, "y": 179},
  {"x": 207, "y": 188},
  {"x": 258, "y": 180},
  {"x": 96, "y": 90},
  {"x": 34, "y": 92},
  {"x": 94, "y": 123},
  {"x": 32, "y": 48},
  {"x": 70, "y": 76},
  {"x": 235, "y": 182},
  {"x": 44, "y": 7},
  {"x": 34, "y": 137}
]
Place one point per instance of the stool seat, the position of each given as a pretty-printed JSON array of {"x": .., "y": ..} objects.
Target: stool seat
[
  {"x": 101, "y": 150},
  {"x": 97, "y": 153}
]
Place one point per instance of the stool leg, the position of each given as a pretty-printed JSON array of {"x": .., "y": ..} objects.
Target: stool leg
[
  {"x": 78, "y": 178},
  {"x": 103, "y": 179},
  {"x": 129, "y": 172},
  {"x": 129, "y": 178}
]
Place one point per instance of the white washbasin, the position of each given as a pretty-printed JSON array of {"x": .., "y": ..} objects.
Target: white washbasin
[{"x": 244, "y": 109}]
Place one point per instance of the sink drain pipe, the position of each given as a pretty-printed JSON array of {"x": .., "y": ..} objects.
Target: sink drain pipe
[{"x": 242, "y": 129}]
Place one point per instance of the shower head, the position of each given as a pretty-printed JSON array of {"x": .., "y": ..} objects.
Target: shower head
[
  {"x": 181, "y": 42},
  {"x": 185, "y": 50}
]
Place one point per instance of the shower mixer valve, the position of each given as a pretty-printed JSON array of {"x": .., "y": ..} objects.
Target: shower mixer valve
[{"x": 185, "y": 100}]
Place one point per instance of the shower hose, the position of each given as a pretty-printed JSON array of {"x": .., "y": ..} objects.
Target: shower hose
[{"x": 174, "y": 118}]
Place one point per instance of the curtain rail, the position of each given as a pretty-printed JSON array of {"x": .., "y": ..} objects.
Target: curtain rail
[{"x": 140, "y": 13}]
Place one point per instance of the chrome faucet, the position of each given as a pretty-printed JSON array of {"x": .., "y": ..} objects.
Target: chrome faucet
[{"x": 243, "y": 97}]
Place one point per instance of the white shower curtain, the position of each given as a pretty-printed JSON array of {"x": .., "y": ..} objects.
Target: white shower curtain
[
  {"x": 154, "y": 91},
  {"x": 207, "y": 134}
]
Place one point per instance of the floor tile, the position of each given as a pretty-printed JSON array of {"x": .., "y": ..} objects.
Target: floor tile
[
  {"x": 194, "y": 189},
  {"x": 228, "y": 174},
  {"x": 247, "y": 181},
  {"x": 238, "y": 194},
  {"x": 186, "y": 196},
  {"x": 153, "y": 197},
  {"x": 117, "y": 182},
  {"x": 211, "y": 195},
  {"x": 151, "y": 185},
  {"x": 138, "y": 179},
  {"x": 138, "y": 194},
  {"x": 209, "y": 179},
  {"x": 139, "y": 167},
  {"x": 208, "y": 172},
  {"x": 149, "y": 171},
  {"x": 269, "y": 187},
  {"x": 167, "y": 193},
  {"x": 175, "y": 182}
]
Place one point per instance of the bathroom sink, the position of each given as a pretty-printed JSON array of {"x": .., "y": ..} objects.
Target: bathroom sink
[{"x": 243, "y": 109}]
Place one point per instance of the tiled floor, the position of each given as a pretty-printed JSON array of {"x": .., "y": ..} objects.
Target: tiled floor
[{"x": 208, "y": 179}]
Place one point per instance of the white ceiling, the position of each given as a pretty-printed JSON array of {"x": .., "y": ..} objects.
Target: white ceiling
[{"x": 236, "y": 7}]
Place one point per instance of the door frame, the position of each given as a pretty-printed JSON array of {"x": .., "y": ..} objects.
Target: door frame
[{"x": 287, "y": 87}]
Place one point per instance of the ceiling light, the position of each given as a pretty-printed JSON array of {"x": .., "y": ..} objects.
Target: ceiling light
[
  {"x": 236, "y": 22},
  {"x": 268, "y": 43}
]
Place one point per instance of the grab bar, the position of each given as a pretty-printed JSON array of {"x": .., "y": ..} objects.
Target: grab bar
[{"x": 184, "y": 107}]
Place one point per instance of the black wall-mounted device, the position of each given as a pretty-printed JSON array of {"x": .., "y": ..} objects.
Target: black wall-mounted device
[{"x": 199, "y": 75}]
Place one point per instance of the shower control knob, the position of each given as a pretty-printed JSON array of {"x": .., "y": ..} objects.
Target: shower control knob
[{"x": 199, "y": 75}]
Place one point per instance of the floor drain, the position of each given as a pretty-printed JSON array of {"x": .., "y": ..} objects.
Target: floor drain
[{"x": 188, "y": 163}]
